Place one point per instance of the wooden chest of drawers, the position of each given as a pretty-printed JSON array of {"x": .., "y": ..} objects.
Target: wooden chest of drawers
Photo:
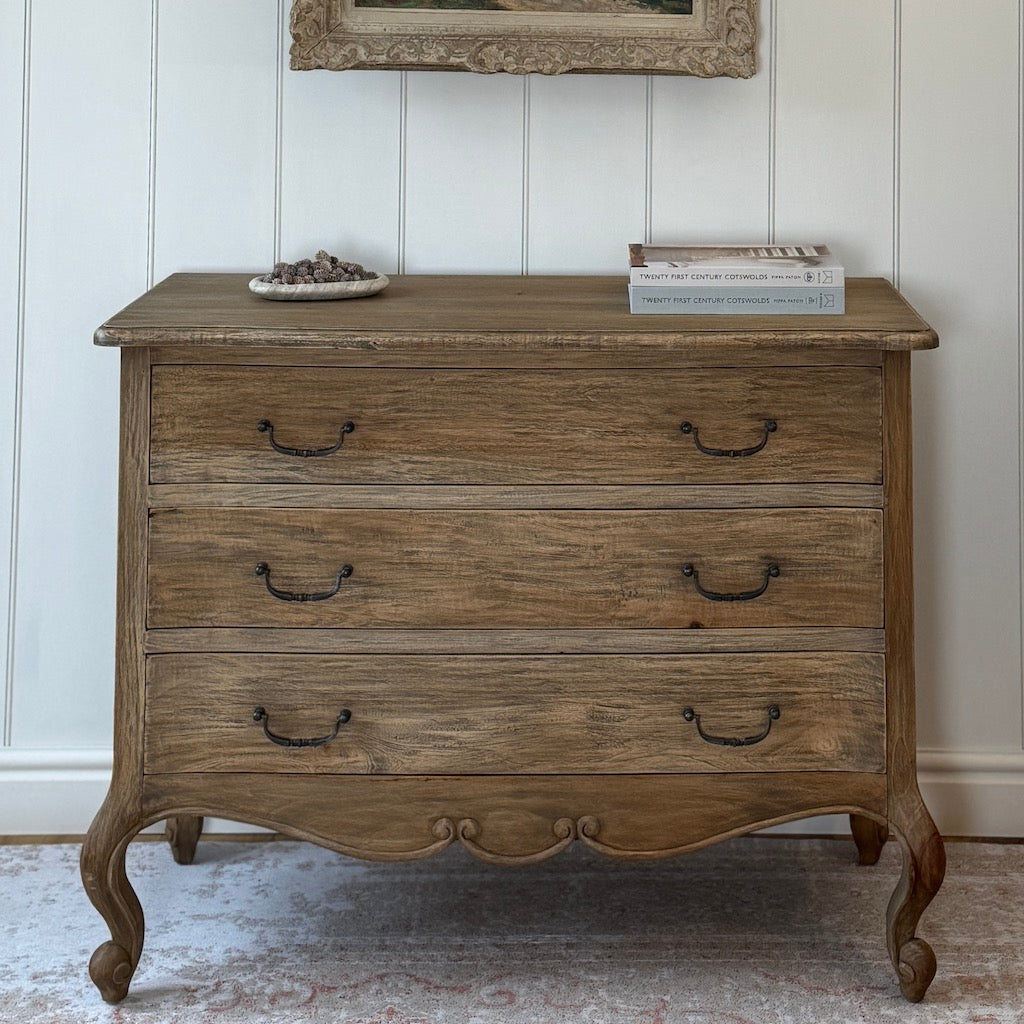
[{"x": 490, "y": 561}]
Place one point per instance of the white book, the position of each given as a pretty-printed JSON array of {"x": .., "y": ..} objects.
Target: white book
[
  {"x": 706, "y": 301},
  {"x": 731, "y": 266}
]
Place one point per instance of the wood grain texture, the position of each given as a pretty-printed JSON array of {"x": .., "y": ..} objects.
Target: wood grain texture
[
  {"x": 435, "y": 314},
  {"x": 495, "y": 496},
  {"x": 120, "y": 817},
  {"x": 392, "y": 818},
  {"x": 183, "y": 832},
  {"x": 465, "y": 427},
  {"x": 870, "y": 836},
  {"x": 475, "y": 353},
  {"x": 427, "y": 569},
  {"x": 641, "y": 817},
  {"x": 924, "y": 858},
  {"x": 517, "y": 641},
  {"x": 465, "y": 715},
  {"x": 515, "y": 659}
]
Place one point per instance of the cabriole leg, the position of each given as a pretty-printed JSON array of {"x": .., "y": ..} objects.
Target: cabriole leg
[
  {"x": 924, "y": 865},
  {"x": 106, "y": 884},
  {"x": 182, "y": 834},
  {"x": 869, "y": 836}
]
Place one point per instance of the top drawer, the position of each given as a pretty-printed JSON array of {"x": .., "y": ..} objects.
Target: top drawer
[{"x": 334, "y": 425}]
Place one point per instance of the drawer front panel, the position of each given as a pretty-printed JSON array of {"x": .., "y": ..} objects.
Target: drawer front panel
[
  {"x": 532, "y": 569},
  {"x": 514, "y": 427},
  {"x": 505, "y": 715}
]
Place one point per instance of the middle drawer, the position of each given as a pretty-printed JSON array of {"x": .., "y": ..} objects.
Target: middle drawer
[{"x": 416, "y": 569}]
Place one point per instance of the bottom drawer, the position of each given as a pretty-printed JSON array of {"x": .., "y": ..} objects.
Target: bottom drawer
[{"x": 488, "y": 715}]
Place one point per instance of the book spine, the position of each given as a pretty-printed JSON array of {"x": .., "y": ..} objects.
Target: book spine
[
  {"x": 738, "y": 277},
  {"x": 705, "y": 301}
]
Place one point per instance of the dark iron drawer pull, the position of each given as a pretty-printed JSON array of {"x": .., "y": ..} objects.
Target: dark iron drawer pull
[
  {"x": 260, "y": 715},
  {"x": 770, "y": 426},
  {"x": 774, "y": 714},
  {"x": 691, "y": 573},
  {"x": 286, "y": 595},
  {"x": 266, "y": 427}
]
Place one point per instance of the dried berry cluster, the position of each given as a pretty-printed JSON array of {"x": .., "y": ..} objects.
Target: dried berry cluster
[{"x": 323, "y": 268}]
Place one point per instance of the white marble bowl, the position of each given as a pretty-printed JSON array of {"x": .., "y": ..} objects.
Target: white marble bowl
[{"x": 313, "y": 292}]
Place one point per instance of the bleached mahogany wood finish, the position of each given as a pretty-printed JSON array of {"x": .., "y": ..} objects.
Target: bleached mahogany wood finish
[{"x": 514, "y": 658}]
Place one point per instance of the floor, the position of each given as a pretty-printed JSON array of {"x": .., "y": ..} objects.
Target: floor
[{"x": 753, "y": 931}]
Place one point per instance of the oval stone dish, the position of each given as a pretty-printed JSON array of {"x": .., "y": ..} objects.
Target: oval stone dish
[{"x": 314, "y": 292}]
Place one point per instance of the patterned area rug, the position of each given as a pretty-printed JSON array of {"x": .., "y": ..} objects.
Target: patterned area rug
[{"x": 753, "y": 931}]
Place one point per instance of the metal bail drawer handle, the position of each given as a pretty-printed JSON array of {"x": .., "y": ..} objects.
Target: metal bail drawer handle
[
  {"x": 770, "y": 426},
  {"x": 286, "y": 595},
  {"x": 690, "y": 572},
  {"x": 260, "y": 715},
  {"x": 774, "y": 714},
  {"x": 266, "y": 427}
]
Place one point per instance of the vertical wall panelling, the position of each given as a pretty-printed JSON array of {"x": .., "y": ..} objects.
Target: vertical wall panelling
[
  {"x": 524, "y": 245},
  {"x": 340, "y": 166},
  {"x": 86, "y": 215},
  {"x": 13, "y": 97},
  {"x": 169, "y": 134},
  {"x": 215, "y": 135},
  {"x": 587, "y": 178},
  {"x": 648, "y": 158},
  {"x": 464, "y": 173},
  {"x": 283, "y": 43},
  {"x": 897, "y": 130},
  {"x": 834, "y": 129},
  {"x": 154, "y": 77},
  {"x": 959, "y": 256},
  {"x": 709, "y": 155},
  {"x": 772, "y": 74}
]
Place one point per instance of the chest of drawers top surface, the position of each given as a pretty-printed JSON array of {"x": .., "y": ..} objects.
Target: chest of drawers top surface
[{"x": 444, "y": 315}]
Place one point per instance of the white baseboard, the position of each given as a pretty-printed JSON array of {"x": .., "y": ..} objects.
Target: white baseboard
[{"x": 57, "y": 792}]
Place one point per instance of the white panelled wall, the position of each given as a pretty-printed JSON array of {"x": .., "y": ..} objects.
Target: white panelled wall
[{"x": 142, "y": 138}]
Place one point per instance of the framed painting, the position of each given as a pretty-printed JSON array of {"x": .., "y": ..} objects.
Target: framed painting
[{"x": 662, "y": 37}]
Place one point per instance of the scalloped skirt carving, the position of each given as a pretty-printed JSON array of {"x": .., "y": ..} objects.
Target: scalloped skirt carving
[{"x": 392, "y": 818}]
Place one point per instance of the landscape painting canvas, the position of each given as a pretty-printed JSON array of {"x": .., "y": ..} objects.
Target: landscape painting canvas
[{"x": 669, "y": 37}]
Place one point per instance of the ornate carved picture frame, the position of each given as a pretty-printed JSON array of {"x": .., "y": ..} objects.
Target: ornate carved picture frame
[{"x": 664, "y": 37}]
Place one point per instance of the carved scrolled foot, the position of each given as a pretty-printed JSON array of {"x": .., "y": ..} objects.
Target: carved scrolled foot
[
  {"x": 869, "y": 836},
  {"x": 924, "y": 865},
  {"x": 111, "y": 970},
  {"x": 916, "y": 968},
  {"x": 108, "y": 888},
  {"x": 183, "y": 834}
]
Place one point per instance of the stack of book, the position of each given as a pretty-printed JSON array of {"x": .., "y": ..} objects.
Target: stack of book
[{"x": 735, "y": 279}]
